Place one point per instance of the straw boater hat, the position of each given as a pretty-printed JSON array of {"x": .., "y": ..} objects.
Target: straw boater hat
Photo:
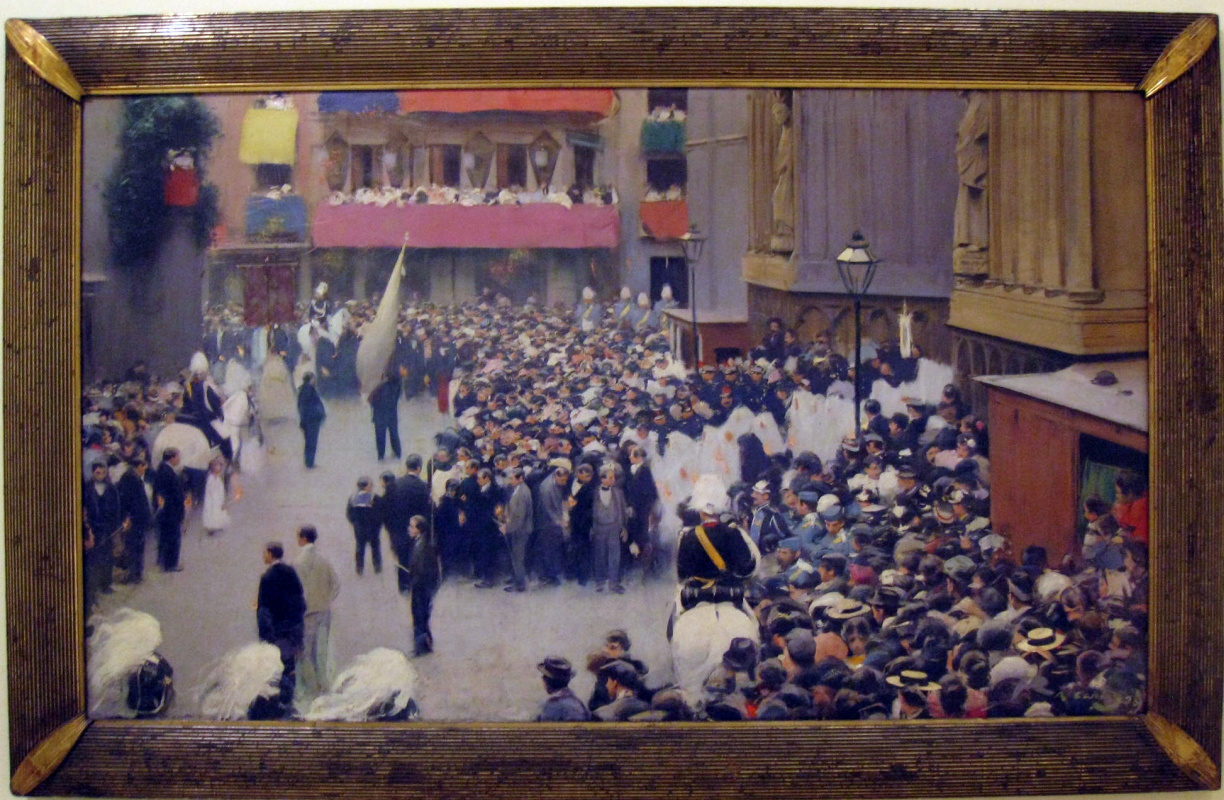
[
  {"x": 912, "y": 679},
  {"x": 1041, "y": 640}
]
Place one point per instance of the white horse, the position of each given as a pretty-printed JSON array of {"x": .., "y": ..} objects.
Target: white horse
[
  {"x": 191, "y": 443},
  {"x": 700, "y": 637}
]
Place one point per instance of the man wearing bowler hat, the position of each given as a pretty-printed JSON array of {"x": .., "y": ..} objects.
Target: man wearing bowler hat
[{"x": 562, "y": 704}]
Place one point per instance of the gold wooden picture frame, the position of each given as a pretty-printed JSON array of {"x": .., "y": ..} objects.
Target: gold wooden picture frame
[{"x": 52, "y": 64}]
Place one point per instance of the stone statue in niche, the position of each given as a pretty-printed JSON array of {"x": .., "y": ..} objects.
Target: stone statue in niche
[
  {"x": 782, "y": 238},
  {"x": 970, "y": 256}
]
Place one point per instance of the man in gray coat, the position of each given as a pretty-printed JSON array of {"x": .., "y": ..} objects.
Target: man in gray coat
[
  {"x": 321, "y": 587},
  {"x": 608, "y": 531},
  {"x": 517, "y": 528},
  {"x": 552, "y": 521}
]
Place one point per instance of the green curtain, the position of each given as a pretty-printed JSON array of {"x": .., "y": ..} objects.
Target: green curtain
[
  {"x": 663, "y": 137},
  {"x": 1098, "y": 479}
]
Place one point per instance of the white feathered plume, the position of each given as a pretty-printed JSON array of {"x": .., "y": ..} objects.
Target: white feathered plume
[
  {"x": 233, "y": 683},
  {"x": 377, "y": 684},
  {"x": 120, "y": 644}
]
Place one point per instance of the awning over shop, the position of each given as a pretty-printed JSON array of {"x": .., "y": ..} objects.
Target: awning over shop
[
  {"x": 601, "y": 102},
  {"x": 665, "y": 219},
  {"x": 526, "y": 226},
  {"x": 269, "y": 136}
]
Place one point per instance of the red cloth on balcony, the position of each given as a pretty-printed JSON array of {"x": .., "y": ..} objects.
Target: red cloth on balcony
[
  {"x": 182, "y": 187},
  {"x": 590, "y": 101},
  {"x": 665, "y": 219},
  {"x": 527, "y": 226}
]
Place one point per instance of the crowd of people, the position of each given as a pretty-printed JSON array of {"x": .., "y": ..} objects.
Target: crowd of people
[{"x": 583, "y": 450}]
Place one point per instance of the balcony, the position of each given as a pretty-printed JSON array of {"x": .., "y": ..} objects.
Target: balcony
[
  {"x": 282, "y": 219},
  {"x": 532, "y": 225},
  {"x": 664, "y": 219},
  {"x": 663, "y": 138}
]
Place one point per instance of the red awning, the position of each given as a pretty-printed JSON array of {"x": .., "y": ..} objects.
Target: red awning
[
  {"x": 527, "y": 226},
  {"x": 535, "y": 101}
]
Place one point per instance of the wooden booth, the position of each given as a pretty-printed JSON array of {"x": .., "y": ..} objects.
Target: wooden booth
[{"x": 1055, "y": 439}]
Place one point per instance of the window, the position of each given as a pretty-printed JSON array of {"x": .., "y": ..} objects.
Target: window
[
  {"x": 366, "y": 166},
  {"x": 446, "y": 161},
  {"x": 511, "y": 166},
  {"x": 584, "y": 167},
  {"x": 662, "y": 98},
  {"x": 268, "y": 176},
  {"x": 664, "y": 173}
]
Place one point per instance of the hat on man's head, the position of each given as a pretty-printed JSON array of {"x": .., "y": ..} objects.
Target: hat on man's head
[
  {"x": 556, "y": 668},
  {"x": 563, "y": 464},
  {"x": 1041, "y": 640},
  {"x": 912, "y": 679},
  {"x": 761, "y": 487},
  {"x": 741, "y": 656},
  {"x": 832, "y": 513},
  {"x": 848, "y": 608}
]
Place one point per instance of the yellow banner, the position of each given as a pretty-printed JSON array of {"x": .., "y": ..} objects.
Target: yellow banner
[{"x": 269, "y": 136}]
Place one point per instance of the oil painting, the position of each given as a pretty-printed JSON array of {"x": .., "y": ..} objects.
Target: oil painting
[{"x": 615, "y": 405}]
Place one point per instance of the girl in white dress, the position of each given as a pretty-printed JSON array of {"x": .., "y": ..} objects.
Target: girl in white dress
[{"x": 216, "y": 500}]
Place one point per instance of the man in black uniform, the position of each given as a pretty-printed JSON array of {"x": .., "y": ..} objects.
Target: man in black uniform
[{"x": 716, "y": 558}]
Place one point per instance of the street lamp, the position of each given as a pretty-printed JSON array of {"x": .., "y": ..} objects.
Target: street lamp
[
  {"x": 693, "y": 243},
  {"x": 857, "y": 267}
]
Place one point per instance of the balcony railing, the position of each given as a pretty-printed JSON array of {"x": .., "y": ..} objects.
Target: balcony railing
[{"x": 441, "y": 226}]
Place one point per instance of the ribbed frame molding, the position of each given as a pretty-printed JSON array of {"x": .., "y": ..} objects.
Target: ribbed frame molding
[
  {"x": 1174, "y": 748},
  {"x": 667, "y": 47},
  {"x": 1186, "y": 220},
  {"x": 42, "y": 474}
]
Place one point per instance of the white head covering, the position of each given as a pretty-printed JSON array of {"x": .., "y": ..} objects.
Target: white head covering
[
  {"x": 199, "y": 363},
  {"x": 625, "y": 293},
  {"x": 709, "y": 494}
]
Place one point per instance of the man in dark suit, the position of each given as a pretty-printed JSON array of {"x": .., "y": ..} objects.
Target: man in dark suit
[
  {"x": 641, "y": 493},
  {"x": 135, "y": 499},
  {"x": 410, "y": 499},
  {"x": 384, "y": 402},
  {"x": 171, "y": 509},
  {"x": 104, "y": 515},
  {"x": 311, "y": 413},
  {"x": 280, "y": 613}
]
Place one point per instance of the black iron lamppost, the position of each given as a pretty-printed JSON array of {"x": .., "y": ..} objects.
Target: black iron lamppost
[
  {"x": 857, "y": 267},
  {"x": 693, "y": 243}
]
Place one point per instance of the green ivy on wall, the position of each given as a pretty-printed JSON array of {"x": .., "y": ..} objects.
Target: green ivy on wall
[{"x": 136, "y": 208}]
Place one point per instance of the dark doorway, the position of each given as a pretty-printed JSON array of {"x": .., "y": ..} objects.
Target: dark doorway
[{"x": 673, "y": 271}]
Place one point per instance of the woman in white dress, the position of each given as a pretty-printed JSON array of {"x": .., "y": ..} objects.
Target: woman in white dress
[
  {"x": 216, "y": 499},
  {"x": 276, "y": 399}
]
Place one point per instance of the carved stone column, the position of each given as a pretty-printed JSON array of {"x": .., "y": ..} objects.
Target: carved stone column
[{"x": 1067, "y": 245}]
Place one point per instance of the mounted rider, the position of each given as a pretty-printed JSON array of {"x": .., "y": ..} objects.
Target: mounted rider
[{"x": 716, "y": 558}]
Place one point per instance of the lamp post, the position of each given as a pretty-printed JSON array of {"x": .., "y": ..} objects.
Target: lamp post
[
  {"x": 857, "y": 267},
  {"x": 693, "y": 243}
]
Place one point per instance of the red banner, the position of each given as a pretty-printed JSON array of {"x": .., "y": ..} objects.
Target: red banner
[
  {"x": 665, "y": 219},
  {"x": 527, "y": 226},
  {"x": 539, "y": 101}
]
